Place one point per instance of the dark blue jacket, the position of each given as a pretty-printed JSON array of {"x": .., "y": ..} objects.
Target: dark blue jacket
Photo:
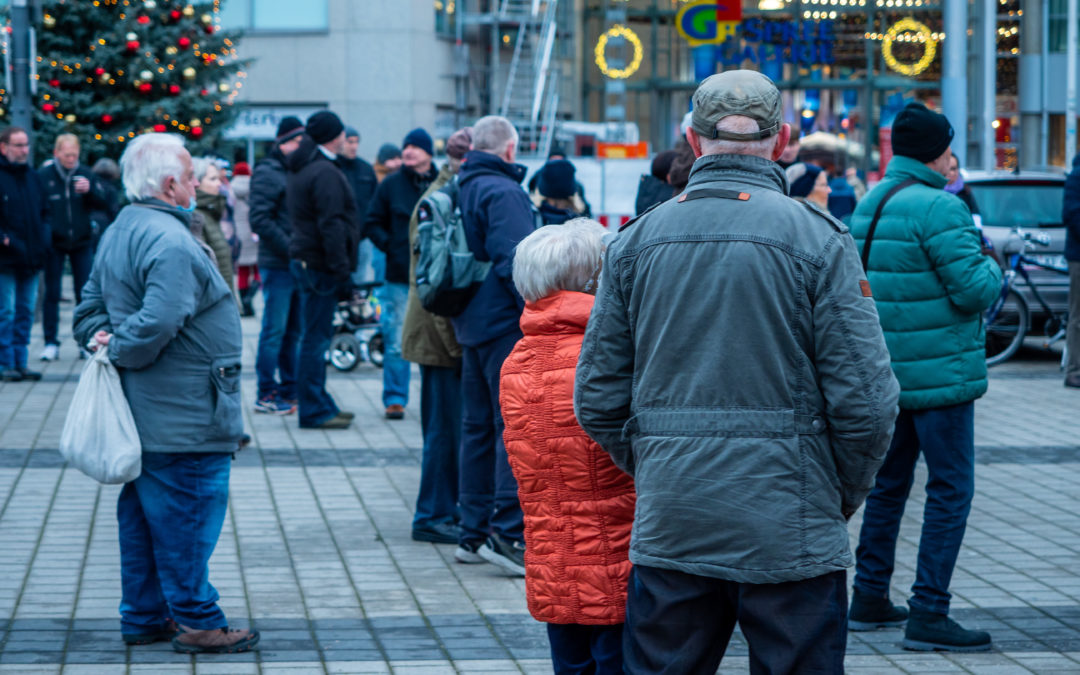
[
  {"x": 497, "y": 215},
  {"x": 1070, "y": 215},
  {"x": 22, "y": 219},
  {"x": 553, "y": 215}
]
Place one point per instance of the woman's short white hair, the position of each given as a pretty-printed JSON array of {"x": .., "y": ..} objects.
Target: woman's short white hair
[
  {"x": 558, "y": 258},
  {"x": 148, "y": 160},
  {"x": 201, "y": 165}
]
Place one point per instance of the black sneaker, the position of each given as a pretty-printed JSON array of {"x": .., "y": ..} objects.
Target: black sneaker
[
  {"x": 29, "y": 375},
  {"x": 11, "y": 375},
  {"x": 467, "y": 552},
  {"x": 870, "y": 612},
  {"x": 507, "y": 554},
  {"x": 927, "y": 632},
  {"x": 437, "y": 533}
]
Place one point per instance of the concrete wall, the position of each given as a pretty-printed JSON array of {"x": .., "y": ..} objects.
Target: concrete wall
[{"x": 379, "y": 66}]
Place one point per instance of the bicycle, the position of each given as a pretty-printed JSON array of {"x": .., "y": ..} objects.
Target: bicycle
[{"x": 1008, "y": 319}]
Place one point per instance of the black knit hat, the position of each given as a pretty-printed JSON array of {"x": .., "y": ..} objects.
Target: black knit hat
[
  {"x": 920, "y": 133},
  {"x": 289, "y": 127},
  {"x": 387, "y": 152},
  {"x": 557, "y": 179},
  {"x": 420, "y": 139},
  {"x": 324, "y": 126}
]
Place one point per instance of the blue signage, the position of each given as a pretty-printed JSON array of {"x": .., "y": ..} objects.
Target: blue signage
[{"x": 800, "y": 43}]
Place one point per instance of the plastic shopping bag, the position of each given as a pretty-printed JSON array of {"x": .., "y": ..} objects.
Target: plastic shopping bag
[{"x": 99, "y": 436}]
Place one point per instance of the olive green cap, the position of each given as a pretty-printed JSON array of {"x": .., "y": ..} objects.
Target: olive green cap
[{"x": 737, "y": 92}]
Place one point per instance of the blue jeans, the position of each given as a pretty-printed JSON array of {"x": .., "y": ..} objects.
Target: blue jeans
[
  {"x": 275, "y": 363},
  {"x": 681, "y": 623},
  {"x": 18, "y": 295},
  {"x": 364, "y": 272},
  {"x": 170, "y": 519},
  {"x": 586, "y": 650},
  {"x": 393, "y": 298},
  {"x": 440, "y": 422},
  {"x": 81, "y": 261},
  {"x": 318, "y": 299},
  {"x": 946, "y": 439},
  {"x": 487, "y": 491}
]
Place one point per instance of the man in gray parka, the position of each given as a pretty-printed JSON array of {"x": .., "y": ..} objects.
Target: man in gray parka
[
  {"x": 157, "y": 301},
  {"x": 735, "y": 367}
]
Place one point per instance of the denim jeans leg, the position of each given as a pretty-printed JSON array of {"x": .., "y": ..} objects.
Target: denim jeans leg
[
  {"x": 476, "y": 468},
  {"x": 184, "y": 497},
  {"x": 142, "y": 605},
  {"x": 875, "y": 555},
  {"x": 317, "y": 302},
  {"x": 50, "y": 308},
  {"x": 290, "y": 349},
  {"x": 26, "y": 286},
  {"x": 440, "y": 423},
  {"x": 395, "y": 369},
  {"x": 278, "y": 290},
  {"x": 7, "y": 319},
  {"x": 82, "y": 261},
  {"x": 507, "y": 518},
  {"x": 947, "y": 438}
]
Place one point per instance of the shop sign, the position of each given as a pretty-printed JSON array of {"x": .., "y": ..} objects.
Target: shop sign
[
  {"x": 260, "y": 122},
  {"x": 802, "y": 43},
  {"x": 708, "y": 22}
]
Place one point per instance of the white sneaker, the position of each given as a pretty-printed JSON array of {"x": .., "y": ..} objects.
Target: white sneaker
[
  {"x": 467, "y": 553},
  {"x": 50, "y": 353}
]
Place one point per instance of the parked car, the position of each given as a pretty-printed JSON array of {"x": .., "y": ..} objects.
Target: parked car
[{"x": 1032, "y": 201}]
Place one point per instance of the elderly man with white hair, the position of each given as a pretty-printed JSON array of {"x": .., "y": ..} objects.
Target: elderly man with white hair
[{"x": 155, "y": 298}]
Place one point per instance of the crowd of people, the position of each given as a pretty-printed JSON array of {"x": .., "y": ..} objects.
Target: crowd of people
[{"x": 665, "y": 430}]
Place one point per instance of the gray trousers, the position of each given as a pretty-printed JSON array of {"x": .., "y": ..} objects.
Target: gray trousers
[{"x": 1072, "y": 340}]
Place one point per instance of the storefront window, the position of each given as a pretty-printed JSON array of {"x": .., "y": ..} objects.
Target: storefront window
[
  {"x": 276, "y": 15},
  {"x": 1059, "y": 26},
  {"x": 445, "y": 16}
]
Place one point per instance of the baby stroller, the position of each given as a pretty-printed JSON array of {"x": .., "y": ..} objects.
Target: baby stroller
[{"x": 356, "y": 330}]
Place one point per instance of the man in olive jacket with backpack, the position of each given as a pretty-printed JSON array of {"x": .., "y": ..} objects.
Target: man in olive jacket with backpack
[{"x": 931, "y": 283}]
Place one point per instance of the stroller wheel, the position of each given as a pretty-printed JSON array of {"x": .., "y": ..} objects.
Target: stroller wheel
[
  {"x": 375, "y": 350},
  {"x": 345, "y": 352}
]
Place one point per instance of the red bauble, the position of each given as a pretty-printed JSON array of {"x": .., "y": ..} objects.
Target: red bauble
[
  {"x": 54, "y": 82},
  {"x": 204, "y": 92},
  {"x": 48, "y": 107},
  {"x": 160, "y": 128},
  {"x": 99, "y": 71},
  {"x": 184, "y": 42},
  {"x": 196, "y": 131},
  {"x": 133, "y": 45},
  {"x": 209, "y": 30},
  {"x": 143, "y": 20},
  {"x": 174, "y": 15},
  {"x": 106, "y": 118},
  {"x": 174, "y": 89},
  {"x": 146, "y": 87}
]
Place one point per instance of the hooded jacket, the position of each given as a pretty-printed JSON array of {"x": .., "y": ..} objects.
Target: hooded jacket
[
  {"x": 326, "y": 229},
  {"x": 735, "y": 367},
  {"x": 268, "y": 213},
  {"x": 207, "y": 227},
  {"x": 651, "y": 191},
  {"x": 931, "y": 284},
  {"x": 387, "y": 220},
  {"x": 175, "y": 328},
  {"x": 496, "y": 214},
  {"x": 578, "y": 505},
  {"x": 22, "y": 219},
  {"x": 67, "y": 211}
]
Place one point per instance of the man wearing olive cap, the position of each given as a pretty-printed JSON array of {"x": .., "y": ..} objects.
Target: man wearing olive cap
[{"x": 734, "y": 366}]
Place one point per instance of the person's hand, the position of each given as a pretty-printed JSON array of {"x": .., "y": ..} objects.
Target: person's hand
[
  {"x": 102, "y": 338},
  {"x": 82, "y": 186},
  {"x": 7, "y": 242}
]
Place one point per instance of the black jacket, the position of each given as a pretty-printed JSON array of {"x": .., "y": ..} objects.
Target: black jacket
[
  {"x": 387, "y": 221},
  {"x": 650, "y": 192},
  {"x": 102, "y": 215},
  {"x": 325, "y": 224},
  {"x": 361, "y": 179},
  {"x": 553, "y": 215},
  {"x": 268, "y": 213},
  {"x": 22, "y": 219},
  {"x": 67, "y": 212},
  {"x": 1070, "y": 216}
]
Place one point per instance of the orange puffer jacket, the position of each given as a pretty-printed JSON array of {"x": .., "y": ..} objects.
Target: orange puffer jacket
[{"x": 579, "y": 507}]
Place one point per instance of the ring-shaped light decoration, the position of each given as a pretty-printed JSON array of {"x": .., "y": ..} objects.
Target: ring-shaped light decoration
[
  {"x": 630, "y": 36},
  {"x": 924, "y": 34}
]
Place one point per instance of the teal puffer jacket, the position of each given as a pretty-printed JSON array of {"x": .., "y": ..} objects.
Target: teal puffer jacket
[{"x": 931, "y": 284}]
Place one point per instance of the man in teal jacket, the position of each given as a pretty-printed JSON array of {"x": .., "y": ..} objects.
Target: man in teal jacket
[{"x": 931, "y": 283}]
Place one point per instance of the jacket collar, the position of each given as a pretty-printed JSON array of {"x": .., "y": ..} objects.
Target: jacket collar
[
  {"x": 742, "y": 168},
  {"x": 562, "y": 312},
  {"x": 13, "y": 168},
  {"x": 213, "y": 204},
  {"x": 183, "y": 216},
  {"x": 480, "y": 163},
  {"x": 902, "y": 168}
]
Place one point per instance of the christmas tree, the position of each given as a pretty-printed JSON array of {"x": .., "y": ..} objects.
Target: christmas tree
[{"x": 109, "y": 70}]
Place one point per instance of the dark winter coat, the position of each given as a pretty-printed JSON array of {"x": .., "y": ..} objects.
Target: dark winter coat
[
  {"x": 650, "y": 192},
  {"x": 207, "y": 227},
  {"x": 497, "y": 215},
  {"x": 553, "y": 215},
  {"x": 326, "y": 226},
  {"x": 361, "y": 179},
  {"x": 1070, "y": 215},
  {"x": 68, "y": 212},
  {"x": 387, "y": 220},
  {"x": 22, "y": 219},
  {"x": 268, "y": 213},
  {"x": 103, "y": 215}
]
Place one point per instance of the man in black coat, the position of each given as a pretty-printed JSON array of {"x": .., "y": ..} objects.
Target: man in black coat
[
  {"x": 275, "y": 361},
  {"x": 72, "y": 192},
  {"x": 24, "y": 248},
  {"x": 323, "y": 250},
  {"x": 387, "y": 225},
  {"x": 363, "y": 181}
]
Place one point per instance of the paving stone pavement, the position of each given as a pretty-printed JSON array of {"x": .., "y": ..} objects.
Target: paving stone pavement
[{"x": 316, "y": 550}]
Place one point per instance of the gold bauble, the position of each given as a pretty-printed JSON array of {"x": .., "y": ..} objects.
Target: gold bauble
[
  {"x": 195, "y": 122},
  {"x": 189, "y": 73},
  {"x": 189, "y": 11},
  {"x": 206, "y": 18},
  {"x": 146, "y": 75},
  {"x": 170, "y": 50},
  {"x": 130, "y": 37},
  {"x": 224, "y": 87},
  {"x": 49, "y": 20},
  {"x": 150, "y": 4},
  {"x": 69, "y": 118}
]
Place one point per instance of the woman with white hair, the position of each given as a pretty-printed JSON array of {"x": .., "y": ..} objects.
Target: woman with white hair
[
  {"x": 155, "y": 298},
  {"x": 567, "y": 484}
]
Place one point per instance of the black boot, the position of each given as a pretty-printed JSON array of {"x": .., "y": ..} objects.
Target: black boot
[
  {"x": 870, "y": 612},
  {"x": 927, "y": 632},
  {"x": 246, "y": 296}
]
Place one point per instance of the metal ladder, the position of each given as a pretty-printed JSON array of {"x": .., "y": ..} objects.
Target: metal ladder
[{"x": 528, "y": 96}]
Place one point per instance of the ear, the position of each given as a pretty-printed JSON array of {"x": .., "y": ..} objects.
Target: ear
[
  {"x": 782, "y": 139},
  {"x": 694, "y": 140}
]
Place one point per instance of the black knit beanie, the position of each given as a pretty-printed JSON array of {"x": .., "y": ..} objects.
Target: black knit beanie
[
  {"x": 920, "y": 133},
  {"x": 557, "y": 179},
  {"x": 324, "y": 126},
  {"x": 288, "y": 127}
]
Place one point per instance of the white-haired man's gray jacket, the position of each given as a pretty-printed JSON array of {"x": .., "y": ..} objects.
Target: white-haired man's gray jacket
[
  {"x": 735, "y": 367},
  {"x": 176, "y": 336}
]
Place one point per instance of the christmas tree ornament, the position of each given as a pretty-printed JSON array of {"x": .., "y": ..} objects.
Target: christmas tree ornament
[
  {"x": 150, "y": 4},
  {"x": 99, "y": 71},
  {"x": 224, "y": 87},
  {"x": 49, "y": 20},
  {"x": 206, "y": 18},
  {"x": 195, "y": 122},
  {"x": 170, "y": 50},
  {"x": 175, "y": 15},
  {"x": 196, "y": 132},
  {"x": 174, "y": 89},
  {"x": 48, "y": 107},
  {"x": 189, "y": 73},
  {"x": 184, "y": 42},
  {"x": 143, "y": 20},
  {"x": 189, "y": 11},
  {"x": 70, "y": 119},
  {"x": 146, "y": 75},
  {"x": 106, "y": 118},
  {"x": 104, "y": 78},
  {"x": 146, "y": 87},
  {"x": 159, "y": 128},
  {"x": 54, "y": 82}
]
